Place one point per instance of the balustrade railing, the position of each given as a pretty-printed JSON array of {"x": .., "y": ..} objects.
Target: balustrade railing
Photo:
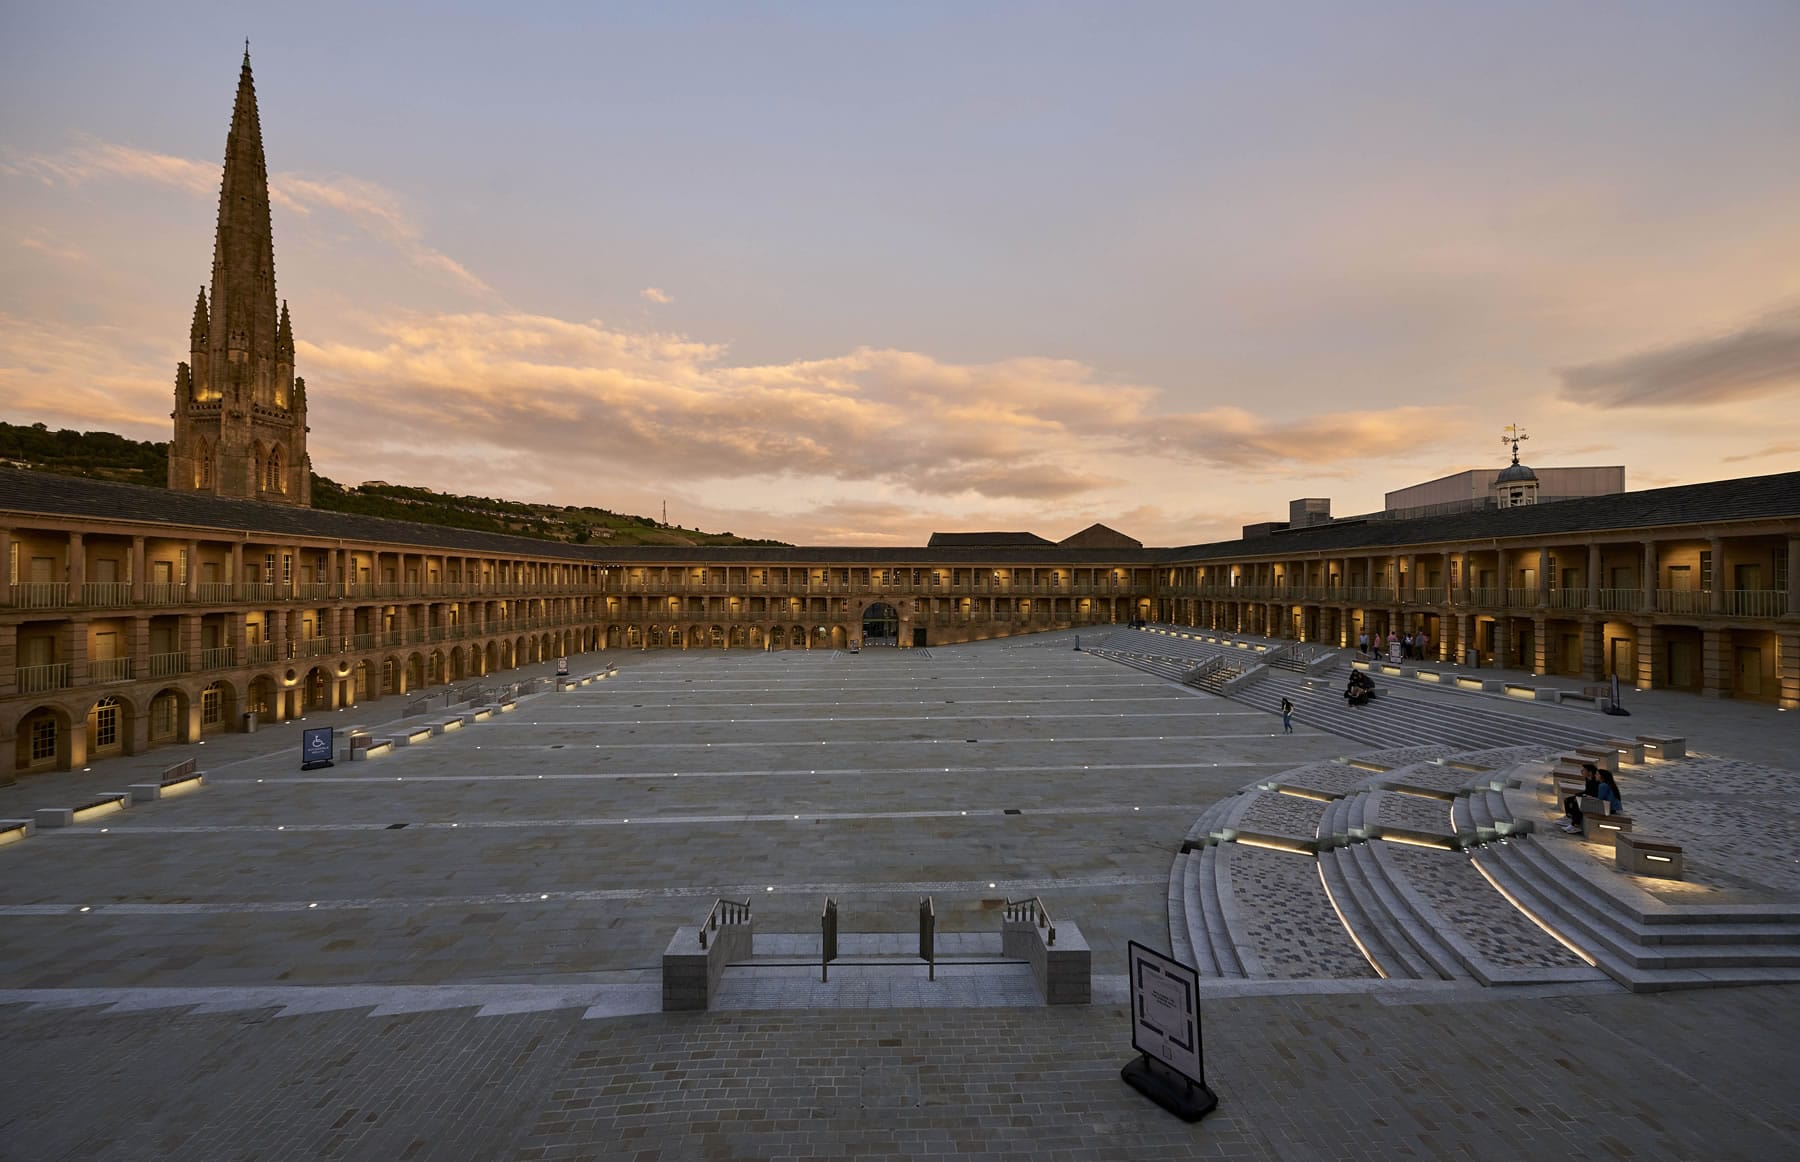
[
  {"x": 110, "y": 670},
  {"x": 261, "y": 653},
  {"x": 164, "y": 593},
  {"x": 1756, "y": 602},
  {"x": 1684, "y": 601},
  {"x": 42, "y": 679},
  {"x": 40, "y": 594},
  {"x": 213, "y": 592},
  {"x": 110, "y": 594},
  {"x": 167, "y": 665},
  {"x": 1621, "y": 600}
]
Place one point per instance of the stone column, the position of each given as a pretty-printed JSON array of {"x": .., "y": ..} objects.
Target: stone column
[
  {"x": 236, "y": 580},
  {"x": 137, "y": 572},
  {"x": 1540, "y": 645},
  {"x": 139, "y": 648},
  {"x": 1649, "y": 643},
  {"x": 1593, "y": 646},
  {"x": 1793, "y": 585},
  {"x": 1716, "y": 599},
  {"x": 74, "y": 635},
  {"x": 1502, "y": 641},
  {"x": 1716, "y": 677},
  {"x": 1543, "y": 584},
  {"x": 1787, "y": 664},
  {"x": 1649, "y": 579},
  {"x": 187, "y": 633},
  {"x": 1502, "y": 581},
  {"x": 1595, "y": 582},
  {"x": 77, "y": 567},
  {"x": 6, "y": 566}
]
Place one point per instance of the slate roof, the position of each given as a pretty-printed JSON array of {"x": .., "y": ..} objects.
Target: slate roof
[
  {"x": 1750, "y": 498},
  {"x": 984, "y": 540},
  {"x": 1774, "y": 497}
]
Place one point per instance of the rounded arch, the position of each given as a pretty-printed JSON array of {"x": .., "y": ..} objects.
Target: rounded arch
[
  {"x": 797, "y": 637},
  {"x": 315, "y": 690},
  {"x": 44, "y": 736},
  {"x": 880, "y": 625},
  {"x": 656, "y": 637},
  {"x": 436, "y": 673},
  {"x": 677, "y": 638},
  {"x": 203, "y": 464},
  {"x": 262, "y": 695},
  {"x": 615, "y": 637},
  {"x": 109, "y": 724},
  {"x": 415, "y": 670},
  {"x": 715, "y": 637},
  {"x": 457, "y": 671},
  {"x": 169, "y": 715},
  {"x": 393, "y": 675},
  {"x": 218, "y": 706},
  {"x": 359, "y": 679}
]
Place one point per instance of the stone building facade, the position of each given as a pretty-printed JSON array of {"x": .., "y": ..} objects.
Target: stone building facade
[{"x": 136, "y": 617}]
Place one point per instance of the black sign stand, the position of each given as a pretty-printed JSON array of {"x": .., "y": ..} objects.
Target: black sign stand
[
  {"x": 1190, "y": 1101},
  {"x": 1165, "y": 1009}
]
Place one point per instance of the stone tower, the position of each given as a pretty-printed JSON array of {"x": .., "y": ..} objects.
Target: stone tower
[{"x": 240, "y": 414}]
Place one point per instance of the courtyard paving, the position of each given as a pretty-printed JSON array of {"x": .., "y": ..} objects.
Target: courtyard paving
[{"x": 453, "y": 951}]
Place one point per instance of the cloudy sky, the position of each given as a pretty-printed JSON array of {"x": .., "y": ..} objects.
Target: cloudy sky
[{"x": 846, "y": 272}]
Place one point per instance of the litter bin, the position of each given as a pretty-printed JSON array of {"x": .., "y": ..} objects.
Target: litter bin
[
  {"x": 1473, "y": 660},
  {"x": 249, "y": 722}
]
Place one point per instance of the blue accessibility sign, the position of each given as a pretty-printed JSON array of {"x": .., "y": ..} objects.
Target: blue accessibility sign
[{"x": 315, "y": 747}]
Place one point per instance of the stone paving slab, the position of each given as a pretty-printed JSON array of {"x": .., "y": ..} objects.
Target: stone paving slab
[{"x": 1298, "y": 1076}]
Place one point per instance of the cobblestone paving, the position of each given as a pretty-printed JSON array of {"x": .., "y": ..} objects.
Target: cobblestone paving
[
  {"x": 1412, "y": 811},
  {"x": 1738, "y": 822},
  {"x": 1429, "y": 775},
  {"x": 1326, "y": 778},
  {"x": 1401, "y": 756},
  {"x": 1470, "y": 907},
  {"x": 1271, "y": 813},
  {"x": 1287, "y": 917},
  {"x": 1507, "y": 756}
]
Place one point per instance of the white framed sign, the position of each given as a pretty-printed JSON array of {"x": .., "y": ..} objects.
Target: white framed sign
[{"x": 1165, "y": 1011}]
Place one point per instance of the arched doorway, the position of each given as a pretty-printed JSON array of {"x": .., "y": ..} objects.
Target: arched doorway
[
  {"x": 43, "y": 741},
  {"x": 169, "y": 716},
  {"x": 881, "y": 625}
]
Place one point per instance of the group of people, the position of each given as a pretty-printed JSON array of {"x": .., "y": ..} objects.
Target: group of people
[
  {"x": 1413, "y": 646},
  {"x": 1360, "y": 690},
  {"x": 1595, "y": 784}
]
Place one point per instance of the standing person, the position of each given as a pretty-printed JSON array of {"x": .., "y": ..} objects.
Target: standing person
[
  {"x": 1362, "y": 643},
  {"x": 1406, "y": 643},
  {"x": 1287, "y": 716},
  {"x": 1380, "y": 643},
  {"x": 1422, "y": 643}
]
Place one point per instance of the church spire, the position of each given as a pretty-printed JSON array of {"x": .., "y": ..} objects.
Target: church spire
[
  {"x": 243, "y": 283},
  {"x": 240, "y": 413}
]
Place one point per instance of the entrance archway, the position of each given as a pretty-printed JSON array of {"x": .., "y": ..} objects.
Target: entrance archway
[{"x": 881, "y": 625}]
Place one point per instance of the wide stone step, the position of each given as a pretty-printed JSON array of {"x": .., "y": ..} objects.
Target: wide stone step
[
  {"x": 1212, "y": 917},
  {"x": 1181, "y": 948},
  {"x": 1417, "y": 930},
  {"x": 1368, "y": 918}
]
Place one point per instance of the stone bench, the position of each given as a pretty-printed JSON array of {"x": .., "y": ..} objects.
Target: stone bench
[
  {"x": 1630, "y": 750},
  {"x": 1647, "y": 856},
  {"x": 446, "y": 725},
  {"x": 1664, "y": 746},
  {"x": 1604, "y": 757},
  {"x": 505, "y": 707},
  {"x": 1597, "y": 825},
  {"x": 92, "y": 809},
  {"x": 167, "y": 788},
  {"x": 477, "y": 714},
  {"x": 13, "y": 830},
  {"x": 412, "y": 735}
]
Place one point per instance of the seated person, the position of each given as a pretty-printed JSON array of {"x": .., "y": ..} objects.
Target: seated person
[
  {"x": 1590, "y": 786},
  {"x": 1608, "y": 793}
]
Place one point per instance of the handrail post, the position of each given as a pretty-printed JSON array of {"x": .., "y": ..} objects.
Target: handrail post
[
  {"x": 828, "y": 933},
  {"x": 928, "y": 935}
]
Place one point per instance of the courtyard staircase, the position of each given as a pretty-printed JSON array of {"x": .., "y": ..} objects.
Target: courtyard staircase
[{"x": 1427, "y": 864}]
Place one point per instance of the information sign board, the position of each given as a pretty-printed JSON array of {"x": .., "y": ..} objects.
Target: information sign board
[
  {"x": 1165, "y": 1011},
  {"x": 315, "y": 747}
]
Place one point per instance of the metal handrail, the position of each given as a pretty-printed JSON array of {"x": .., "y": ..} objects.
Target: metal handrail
[
  {"x": 1032, "y": 911},
  {"x": 724, "y": 912}
]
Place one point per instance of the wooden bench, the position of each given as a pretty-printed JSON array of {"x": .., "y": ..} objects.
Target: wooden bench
[{"x": 1647, "y": 856}]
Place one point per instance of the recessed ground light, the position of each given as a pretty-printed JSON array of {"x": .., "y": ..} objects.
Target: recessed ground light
[
  {"x": 104, "y": 830},
  {"x": 991, "y": 885},
  {"x": 312, "y": 905},
  {"x": 770, "y": 888},
  {"x": 281, "y": 827},
  {"x": 84, "y": 770},
  {"x": 546, "y": 896},
  {"x": 84, "y": 907}
]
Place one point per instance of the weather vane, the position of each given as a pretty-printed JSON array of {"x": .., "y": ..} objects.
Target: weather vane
[{"x": 1512, "y": 435}]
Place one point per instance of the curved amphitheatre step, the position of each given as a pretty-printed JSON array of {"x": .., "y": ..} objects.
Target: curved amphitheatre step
[
  {"x": 1641, "y": 942},
  {"x": 1181, "y": 947},
  {"x": 1283, "y": 922}
]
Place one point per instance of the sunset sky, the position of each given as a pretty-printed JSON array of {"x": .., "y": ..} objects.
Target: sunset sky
[{"x": 851, "y": 273}]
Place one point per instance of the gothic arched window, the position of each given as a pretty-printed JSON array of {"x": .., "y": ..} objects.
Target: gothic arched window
[
  {"x": 203, "y": 465},
  {"x": 272, "y": 476}
]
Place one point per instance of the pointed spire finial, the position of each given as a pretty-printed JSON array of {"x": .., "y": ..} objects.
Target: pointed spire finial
[{"x": 246, "y": 52}]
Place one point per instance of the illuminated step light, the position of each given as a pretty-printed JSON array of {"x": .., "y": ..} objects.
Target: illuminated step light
[{"x": 1659, "y": 858}]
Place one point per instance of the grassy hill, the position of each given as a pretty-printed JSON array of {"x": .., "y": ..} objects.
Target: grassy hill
[{"x": 106, "y": 456}]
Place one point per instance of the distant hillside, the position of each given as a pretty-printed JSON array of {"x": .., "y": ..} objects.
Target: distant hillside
[{"x": 105, "y": 456}]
